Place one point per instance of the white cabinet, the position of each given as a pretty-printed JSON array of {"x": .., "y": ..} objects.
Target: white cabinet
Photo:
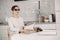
[
  {"x": 58, "y": 17},
  {"x": 58, "y": 26},
  {"x": 3, "y": 32},
  {"x": 57, "y": 5}
]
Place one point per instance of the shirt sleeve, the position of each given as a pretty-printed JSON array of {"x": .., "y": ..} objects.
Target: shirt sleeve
[{"x": 22, "y": 21}]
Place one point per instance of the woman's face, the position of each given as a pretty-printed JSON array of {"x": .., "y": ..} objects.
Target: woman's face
[{"x": 16, "y": 10}]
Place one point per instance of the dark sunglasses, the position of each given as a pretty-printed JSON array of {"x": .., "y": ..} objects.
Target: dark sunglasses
[{"x": 17, "y": 9}]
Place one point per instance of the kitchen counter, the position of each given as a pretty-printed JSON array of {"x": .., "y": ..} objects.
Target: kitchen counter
[
  {"x": 4, "y": 32},
  {"x": 32, "y": 36}
]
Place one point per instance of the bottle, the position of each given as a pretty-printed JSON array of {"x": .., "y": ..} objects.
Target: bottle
[{"x": 50, "y": 18}]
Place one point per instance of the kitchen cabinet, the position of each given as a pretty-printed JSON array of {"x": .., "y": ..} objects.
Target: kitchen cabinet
[
  {"x": 3, "y": 32},
  {"x": 58, "y": 17},
  {"x": 57, "y": 5}
]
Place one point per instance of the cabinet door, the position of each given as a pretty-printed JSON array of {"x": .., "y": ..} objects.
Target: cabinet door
[
  {"x": 57, "y": 5},
  {"x": 58, "y": 17},
  {"x": 3, "y": 32},
  {"x": 58, "y": 26}
]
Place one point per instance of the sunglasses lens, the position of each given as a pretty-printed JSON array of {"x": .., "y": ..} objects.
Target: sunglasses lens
[{"x": 17, "y": 9}]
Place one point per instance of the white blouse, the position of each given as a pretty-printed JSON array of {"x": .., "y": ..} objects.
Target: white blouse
[{"x": 15, "y": 24}]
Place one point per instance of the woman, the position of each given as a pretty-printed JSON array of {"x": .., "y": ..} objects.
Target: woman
[{"x": 16, "y": 22}]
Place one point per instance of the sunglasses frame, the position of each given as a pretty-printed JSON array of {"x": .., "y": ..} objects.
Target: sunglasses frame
[{"x": 17, "y": 9}]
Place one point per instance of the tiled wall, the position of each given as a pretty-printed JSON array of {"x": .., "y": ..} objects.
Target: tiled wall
[
  {"x": 28, "y": 8},
  {"x": 47, "y": 7}
]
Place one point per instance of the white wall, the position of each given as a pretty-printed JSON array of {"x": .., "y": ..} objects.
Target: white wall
[{"x": 27, "y": 8}]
